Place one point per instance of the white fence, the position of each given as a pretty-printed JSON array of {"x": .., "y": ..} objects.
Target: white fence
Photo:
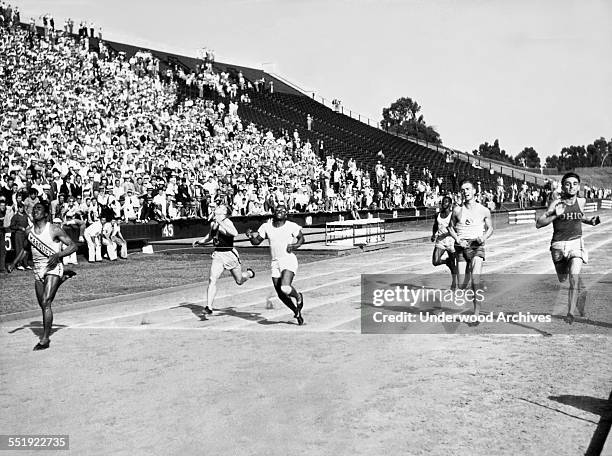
[{"x": 521, "y": 217}]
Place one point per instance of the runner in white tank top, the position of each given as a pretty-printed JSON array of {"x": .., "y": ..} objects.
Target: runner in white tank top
[
  {"x": 43, "y": 247},
  {"x": 470, "y": 226},
  {"x": 45, "y": 240},
  {"x": 281, "y": 234},
  {"x": 444, "y": 242}
]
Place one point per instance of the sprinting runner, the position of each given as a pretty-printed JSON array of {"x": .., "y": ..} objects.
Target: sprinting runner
[
  {"x": 566, "y": 213},
  {"x": 470, "y": 226},
  {"x": 444, "y": 242},
  {"x": 225, "y": 257},
  {"x": 281, "y": 233},
  {"x": 45, "y": 239}
]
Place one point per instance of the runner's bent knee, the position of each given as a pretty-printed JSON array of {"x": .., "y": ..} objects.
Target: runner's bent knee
[{"x": 286, "y": 289}]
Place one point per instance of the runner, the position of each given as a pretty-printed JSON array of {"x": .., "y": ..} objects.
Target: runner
[
  {"x": 281, "y": 234},
  {"x": 470, "y": 226},
  {"x": 444, "y": 242},
  {"x": 566, "y": 213},
  {"x": 45, "y": 239},
  {"x": 225, "y": 257}
]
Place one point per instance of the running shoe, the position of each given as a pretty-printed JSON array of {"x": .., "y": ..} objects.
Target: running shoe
[{"x": 40, "y": 346}]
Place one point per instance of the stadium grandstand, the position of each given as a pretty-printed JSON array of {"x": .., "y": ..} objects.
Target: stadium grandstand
[
  {"x": 101, "y": 128},
  {"x": 112, "y": 117}
]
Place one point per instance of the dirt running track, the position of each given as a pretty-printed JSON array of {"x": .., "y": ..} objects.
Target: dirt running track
[{"x": 148, "y": 375}]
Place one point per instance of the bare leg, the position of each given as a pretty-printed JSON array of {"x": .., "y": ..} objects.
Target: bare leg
[
  {"x": 241, "y": 277},
  {"x": 463, "y": 275},
  {"x": 283, "y": 296},
  {"x": 216, "y": 269},
  {"x": 45, "y": 293},
  {"x": 561, "y": 268},
  {"x": 288, "y": 289},
  {"x": 286, "y": 281},
  {"x": 436, "y": 256},
  {"x": 451, "y": 263},
  {"x": 476, "y": 266},
  {"x": 582, "y": 297},
  {"x": 575, "y": 265}
]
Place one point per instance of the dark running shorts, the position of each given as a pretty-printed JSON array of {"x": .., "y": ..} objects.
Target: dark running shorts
[{"x": 473, "y": 250}]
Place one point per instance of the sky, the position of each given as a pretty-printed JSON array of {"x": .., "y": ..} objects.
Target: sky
[{"x": 531, "y": 73}]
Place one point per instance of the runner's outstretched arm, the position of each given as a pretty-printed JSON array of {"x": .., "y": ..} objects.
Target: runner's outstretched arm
[
  {"x": 255, "y": 239},
  {"x": 227, "y": 227},
  {"x": 434, "y": 230},
  {"x": 451, "y": 226},
  {"x": 488, "y": 225},
  {"x": 202, "y": 241},
  {"x": 555, "y": 209},
  {"x": 594, "y": 221},
  {"x": 71, "y": 247}
]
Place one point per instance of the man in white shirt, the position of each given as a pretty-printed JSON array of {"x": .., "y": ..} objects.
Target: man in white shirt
[
  {"x": 211, "y": 186},
  {"x": 94, "y": 244},
  {"x": 131, "y": 207},
  {"x": 118, "y": 190},
  {"x": 284, "y": 237},
  {"x": 161, "y": 203},
  {"x": 111, "y": 246},
  {"x": 118, "y": 239}
]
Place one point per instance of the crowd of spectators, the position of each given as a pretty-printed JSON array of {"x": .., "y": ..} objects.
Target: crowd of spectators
[
  {"x": 9, "y": 15},
  {"x": 102, "y": 137},
  {"x": 107, "y": 140}
]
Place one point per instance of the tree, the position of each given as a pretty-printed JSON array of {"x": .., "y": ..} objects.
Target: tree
[
  {"x": 494, "y": 152},
  {"x": 553, "y": 162},
  {"x": 573, "y": 157},
  {"x": 402, "y": 117},
  {"x": 532, "y": 160},
  {"x": 596, "y": 152}
]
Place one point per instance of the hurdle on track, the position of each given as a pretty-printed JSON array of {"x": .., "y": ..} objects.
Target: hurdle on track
[
  {"x": 606, "y": 204},
  {"x": 521, "y": 217},
  {"x": 590, "y": 207},
  {"x": 355, "y": 232}
]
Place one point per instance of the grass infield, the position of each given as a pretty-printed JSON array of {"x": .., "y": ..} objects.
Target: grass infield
[{"x": 140, "y": 272}]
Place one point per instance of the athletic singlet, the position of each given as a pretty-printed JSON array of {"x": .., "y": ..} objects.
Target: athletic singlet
[
  {"x": 443, "y": 225},
  {"x": 222, "y": 242},
  {"x": 280, "y": 237},
  {"x": 470, "y": 224},
  {"x": 568, "y": 225},
  {"x": 43, "y": 246}
]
